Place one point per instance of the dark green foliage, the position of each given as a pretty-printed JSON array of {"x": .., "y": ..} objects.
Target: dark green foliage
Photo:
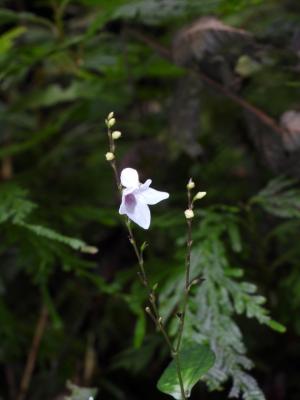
[
  {"x": 280, "y": 198},
  {"x": 196, "y": 360},
  {"x": 215, "y": 301}
]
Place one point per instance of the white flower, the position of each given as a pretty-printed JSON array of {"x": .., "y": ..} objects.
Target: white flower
[{"x": 137, "y": 196}]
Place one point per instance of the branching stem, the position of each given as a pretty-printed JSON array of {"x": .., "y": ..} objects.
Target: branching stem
[
  {"x": 189, "y": 243},
  {"x": 152, "y": 309}
]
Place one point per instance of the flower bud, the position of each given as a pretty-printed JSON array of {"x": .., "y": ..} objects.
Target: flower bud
[
  {"x": 190, "y": 185},
  {"x": 111, "y": 122},
  {"x": 199, "y": 196},
  {"x": 110, "y": 115},
  {"x": 89, "y": 249},
  {"x": 109, "y": 156},
  {"x": 189, "y": 213},
  {"x": 116, "y": 135}
]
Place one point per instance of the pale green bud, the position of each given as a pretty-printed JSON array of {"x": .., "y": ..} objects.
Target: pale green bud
[
  {"x": 116, "y": 135},
  {"x": 111, "y": 122},
  {"x": 190, "y": 185},
  {"x": 189, "y": 213},
  {"x": 110, "y": 115},
  {"x": 199, "y": 196},
  {"x": 109, "y": 156}
]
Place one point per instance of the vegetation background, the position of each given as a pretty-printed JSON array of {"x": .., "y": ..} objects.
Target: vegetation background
[{"x": 202, "y": 88}]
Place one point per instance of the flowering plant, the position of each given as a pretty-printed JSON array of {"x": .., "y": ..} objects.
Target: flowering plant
[
  {"x": 190, "y": 361},
  {"x": 136, "y": 197}
]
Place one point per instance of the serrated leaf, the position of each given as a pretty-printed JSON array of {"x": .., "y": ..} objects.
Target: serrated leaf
[
  {"x": 14, "y": 203},
  {"x": 196, "y": 360},
  {"x": 48, "y": 233},
  {"x": 279, "y": 198}
]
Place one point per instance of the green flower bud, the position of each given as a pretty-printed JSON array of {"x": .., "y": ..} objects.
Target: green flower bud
[
  {"x": 189, "y": 213},
  {"x": 190, "y": 185},
  {"x": 109, "y": 156},
  {"x": 199, "y": 196},
  {"x": 111, "y": 122},
  {"x": 116, "y": 135}
]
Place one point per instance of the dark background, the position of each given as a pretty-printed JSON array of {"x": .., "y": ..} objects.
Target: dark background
[{"x": 202, "y": 88}]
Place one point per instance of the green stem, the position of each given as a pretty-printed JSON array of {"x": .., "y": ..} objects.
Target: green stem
[
  {"x": 178, "y": 369},
  {"x": 187, "y": 280},
  {"x": 155, "y": 316},
  {"x": 187, "y": 284},
  {"x": 154, "y": 313}
]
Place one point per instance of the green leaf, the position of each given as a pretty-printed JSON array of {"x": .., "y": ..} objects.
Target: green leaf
[
  {"x": 7, "y": 39},
  {"x": 276, "y": 326},
  {"x": 246, "y": 66},
  {"x": 79, "y": 393},
  {"x": 280, "y": 197},
  {"x": 48, "y": 233},
  {"x": 139, "y": 330},
  {"x": 7, "y": 16},
  {"x": 195, "y": 359},
  {"x": 14, "y": 203}
]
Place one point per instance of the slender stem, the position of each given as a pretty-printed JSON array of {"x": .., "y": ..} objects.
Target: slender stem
[
  {"x": 151, "y": 294},
  {"x": 155, "y": 316},
  {"x": 59, "y": 9},
  {"x": 32, "y": 355},
  {"x": 178, "y": 369},
  {"x": 189, "y": 243},
  {"x": 139, "y": 256},
  {"x": 153, "y": 311}
]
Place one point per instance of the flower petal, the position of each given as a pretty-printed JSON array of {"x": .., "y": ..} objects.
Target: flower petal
[
  {"x": 140, "y": 213},
  {"x": 145, "y": 185},
  {"x": 122, "y": 209},
  {"x": 129, "y": 178},
  {"x": 151, "y": 196}
]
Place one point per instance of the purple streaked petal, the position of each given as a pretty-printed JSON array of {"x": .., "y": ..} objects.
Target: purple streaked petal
[
  {"x": 135, "y": 210},
  {"x": 122, "y": 209}
]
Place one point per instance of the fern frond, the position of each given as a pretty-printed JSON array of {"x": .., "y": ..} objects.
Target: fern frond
[{"x": 214, "y": 304}]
